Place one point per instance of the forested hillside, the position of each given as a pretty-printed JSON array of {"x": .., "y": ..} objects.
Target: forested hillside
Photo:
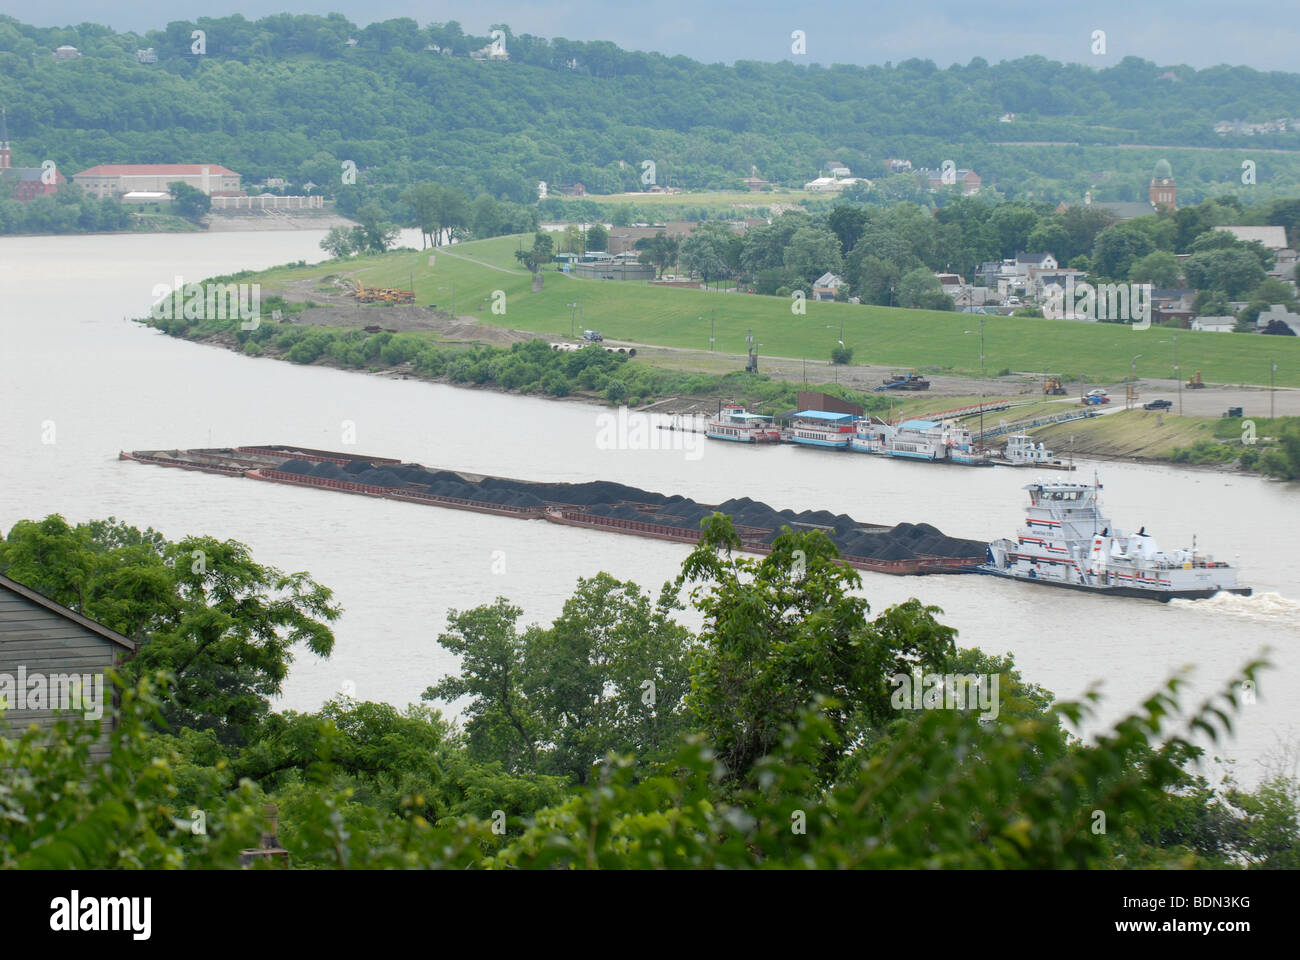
[{"x": 286, "y": 96}]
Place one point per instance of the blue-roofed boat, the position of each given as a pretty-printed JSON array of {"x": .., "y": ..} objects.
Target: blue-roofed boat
[
  {"x": 822, "y": 428},
  {"x": 735, "y": 423}
]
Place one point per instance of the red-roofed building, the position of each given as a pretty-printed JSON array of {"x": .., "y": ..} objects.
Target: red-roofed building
[{"x": 115, "y": 179}]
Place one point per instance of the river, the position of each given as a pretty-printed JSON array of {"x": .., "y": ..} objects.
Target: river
[{"x": 72, "y": 364}]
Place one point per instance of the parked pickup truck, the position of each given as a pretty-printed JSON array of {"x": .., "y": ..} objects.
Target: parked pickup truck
[
  {"x": 592, "y": 336},
  {"x": 1157, "y": 405}
]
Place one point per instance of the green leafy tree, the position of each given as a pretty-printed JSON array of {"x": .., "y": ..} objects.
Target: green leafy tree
[
  {"x": 190, "y": 202},
  {"x": 785, "y": 629},
  {"x": 201, "y": 609}
]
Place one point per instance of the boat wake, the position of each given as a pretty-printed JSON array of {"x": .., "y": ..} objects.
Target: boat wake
[{"x": 1266, "y": 608}]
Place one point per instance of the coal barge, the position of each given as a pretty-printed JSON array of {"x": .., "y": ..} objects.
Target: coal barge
[{"x": 902, "y": 549}]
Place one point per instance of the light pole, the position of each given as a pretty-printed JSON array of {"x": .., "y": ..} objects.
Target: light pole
[
  {"x": 711, "y": 337},
  {"x": 573, "y": 309},
  {"x": 1272, "y": 369},
  {"x": 1133, "y": 375}
]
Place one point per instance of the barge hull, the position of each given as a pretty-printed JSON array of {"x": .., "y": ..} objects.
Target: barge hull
[{"x": 1162, "y": 596}]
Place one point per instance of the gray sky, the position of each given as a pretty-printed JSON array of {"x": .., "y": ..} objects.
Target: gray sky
[{"x": 1201, "y": 33}]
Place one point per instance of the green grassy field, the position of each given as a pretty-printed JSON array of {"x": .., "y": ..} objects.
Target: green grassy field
[{"x": 925, "y": 340}]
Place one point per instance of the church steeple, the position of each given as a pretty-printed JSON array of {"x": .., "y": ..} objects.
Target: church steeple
[{"x": 4, "y": 141}]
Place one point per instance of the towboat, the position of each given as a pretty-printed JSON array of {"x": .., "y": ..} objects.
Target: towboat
[{"x": 1066, "y": 541}]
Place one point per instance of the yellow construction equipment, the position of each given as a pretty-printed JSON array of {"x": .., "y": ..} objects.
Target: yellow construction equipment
[
  {"x": 1053, "y": 388},
  {"x": 1195, "y": 383},
  {"x": 383, "y": 294}
]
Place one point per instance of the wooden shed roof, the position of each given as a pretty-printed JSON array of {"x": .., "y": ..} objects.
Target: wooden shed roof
[{"x": 27, "y": 593}]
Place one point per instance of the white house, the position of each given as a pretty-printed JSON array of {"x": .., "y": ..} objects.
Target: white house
[
  {"x": 1215, "y": 324},
  {"x": 826, "y": 286}
]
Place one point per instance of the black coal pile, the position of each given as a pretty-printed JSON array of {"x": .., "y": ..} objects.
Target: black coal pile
[
  {"x": 299, "y": 467},
  {"x": 330, "y": 471},
  {"x": 600, "y": 498}
]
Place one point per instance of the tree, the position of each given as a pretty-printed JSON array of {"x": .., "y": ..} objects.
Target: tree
[
  {"x": 597, "y": 237},
  {"x": 704, "y": 253},
  {"x": 500, "y": 722},
  {"x": 190, "y": 202},
  {"x": 539, "y": 254},
  {"x": 200, "y": 608},
  {"x": 841, "y": 354},
  {"x": 658, "y": 251},
  {"x": 374, "y": 234},
  {"x": 1118, "y": 247},
  {"x": 436, "y": 210},
  {"x": 338, "y": 243},
  {"x": 1158, "y": 268},
  {"x": 610, "y": 674},
  {"x": 812, "y": 252},
  {"x": 784, "y": 630},
  {"x": 1234, "y": 271},
  {"x": 918, "y": 288}
]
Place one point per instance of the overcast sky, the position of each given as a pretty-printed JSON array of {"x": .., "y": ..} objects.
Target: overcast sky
[{"x": 1202, "y": 33}]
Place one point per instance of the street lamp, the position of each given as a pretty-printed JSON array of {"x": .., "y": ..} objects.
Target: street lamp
[
  {"x": 1272, "y": 369},
  {"x": 1133, "y": 375}
]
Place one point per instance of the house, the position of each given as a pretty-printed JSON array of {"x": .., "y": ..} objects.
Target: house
[
  {"x": 968, "y": 180},
  {"x": 1270, "y": 238},
  {"x": 834, "y": 168},
  {"x": 1007, "y": 118},
  {"x": 146, "y": 56},
  {"x": 56, "y": 653},
  {"x": 1026, "y": 263},
  {"x": 1215, "y": 324},
  {"x": 827, "y": 286},
  {"x": 66, "y": 52},
  {"x": 1172, "y": 298},
  {"x": 113, "y": 179},
  {"x": 1047, "y": 284},
  {"x": 898, "y": 166},
  {"x": 1278, "y": 314},
  {"x": 755, "y": 184},
  {"x": 972, "y": 298}
]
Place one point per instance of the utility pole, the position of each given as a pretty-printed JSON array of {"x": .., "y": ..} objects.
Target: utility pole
[
  {"x": 1179, "y": 376},
  {"x": 1132, "y": 387},
  {"x": 981, "y": 442},
  {"x": 1272, "y": 369},
  {"x": 711, "y": 338}
]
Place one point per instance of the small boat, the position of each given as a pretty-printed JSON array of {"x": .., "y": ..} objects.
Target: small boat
[
  {"x": 1066, "y": 541},
  {"x": 735, "y": 423}
]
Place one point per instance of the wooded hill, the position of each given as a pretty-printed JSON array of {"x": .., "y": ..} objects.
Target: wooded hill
[{"x": 286, "y": 96}]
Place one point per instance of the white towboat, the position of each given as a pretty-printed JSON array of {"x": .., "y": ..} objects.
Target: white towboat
[{"x": 1067, "y": 542}]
